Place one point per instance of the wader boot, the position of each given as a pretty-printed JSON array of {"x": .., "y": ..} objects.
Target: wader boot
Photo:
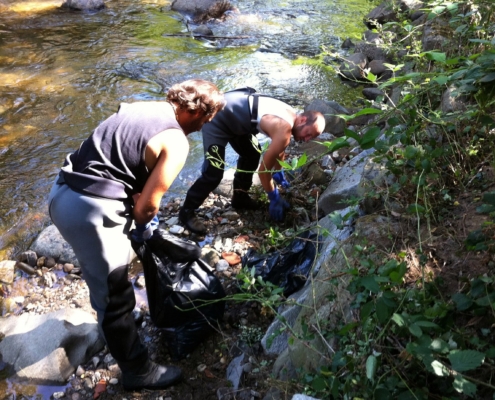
[
  {"x": 150, "y": 376},
  {"x": 241, "y": 198},
  {"x": 191, "y": 221}
]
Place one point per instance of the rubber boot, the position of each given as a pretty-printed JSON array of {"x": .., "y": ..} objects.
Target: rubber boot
[
  {"x": 242, "y": 200},
  {"x": 150, "y": 376},
  {"x": 191, "y": 221}
]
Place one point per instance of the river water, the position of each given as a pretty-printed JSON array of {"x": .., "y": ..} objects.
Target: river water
[{"x": 62, "y": 72}]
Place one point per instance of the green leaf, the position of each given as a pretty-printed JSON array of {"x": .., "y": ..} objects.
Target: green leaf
[
  {"x": 426, "y": 324},
  {"x": 284, "y": 164},
  {"x": 462, "y": 385},
  {"x": 302, "y": 160},
  {"x": 352, "y": 134},
  {"x": 370, "y": 283},
  {"x": 367, "y": 111},
  {"x": 383, "y": 312},
  {"x": 371, "y": 365},
  {"x": 466, "y": 360},
  {"x": 368, "y": 139},
  {"x": 488, "y": 78},
  {"x": 439, "y": 369},
  {"x": 399, "y": 320},
  {"x": 489, "y": 198},
  {"x": 415, "y": 330},
  {"x": 365, "y": 311},
  {"x": 333, "y": 145},
  {"x": 436, "y": 56},
  {"x": 319, "y": 384},
  {"x": 441, "y": 80},
  {"x": 462, "y": 301},
  {"x": 440, "y": 346},
  {"x": 415, "y": 209}
]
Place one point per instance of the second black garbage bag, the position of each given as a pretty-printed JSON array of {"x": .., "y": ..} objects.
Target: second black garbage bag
[
  {"x": 288, "y": 268},
  {"x": 185, "y": 298}
]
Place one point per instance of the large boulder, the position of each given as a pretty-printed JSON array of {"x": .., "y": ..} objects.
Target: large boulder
[
  {"x": 333, "y": 124},
  {"x": 353, "y": 180},
  {"x": 47, "y": 349},
  {"x": 50, "y": 243}
]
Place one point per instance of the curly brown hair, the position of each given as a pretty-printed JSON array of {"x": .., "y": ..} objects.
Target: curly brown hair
[{"x": 197, "y": 94}]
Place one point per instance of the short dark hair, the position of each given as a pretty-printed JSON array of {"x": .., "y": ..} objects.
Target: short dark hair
[{"x": 311, "y": 116}]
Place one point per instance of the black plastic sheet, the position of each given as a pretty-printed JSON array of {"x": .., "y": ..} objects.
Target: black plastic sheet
[
  {"x": 288, "y": 268},
  {"x": 184, "y": 296}
]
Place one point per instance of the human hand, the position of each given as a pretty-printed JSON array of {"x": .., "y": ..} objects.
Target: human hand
[
  {"x": 277, "y": 206},
  {"x": 279, "y": 177},
  {"x": 143, "y": 232}
]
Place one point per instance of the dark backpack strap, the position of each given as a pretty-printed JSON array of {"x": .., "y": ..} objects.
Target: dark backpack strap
[{"x": 254, "y": 111}]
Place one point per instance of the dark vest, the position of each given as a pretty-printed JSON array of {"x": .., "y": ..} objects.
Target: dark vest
[{"x": 110, "y": 163}]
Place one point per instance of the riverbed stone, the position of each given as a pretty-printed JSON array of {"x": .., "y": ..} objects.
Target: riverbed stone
[
  {"x": 50, "y": 243},
  {"x": 84, "y": 5},
  {"x": 47, "y": 349},
  {"x": 352, "y": 67},
  {"x": 7, "y": 268}
]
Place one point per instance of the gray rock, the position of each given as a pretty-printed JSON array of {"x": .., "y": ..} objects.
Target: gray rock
[
  {"x": 434, "y": 34},
  {"x": 347, "y": 44},
  {"x": 383, "y": 13},
  {"x": 235, "y": 371},
  {"x": 352, "y": 68},
  {"x": 210, "y": 256},
  {"x": 451, "y": 102},
  {"x": 194, "y": 8},
  {"x": 345, "y": 184},
  {"x": 372, "y": 93},
  {"x": 84, "y": 5},
  {"x": 29, "y": 257},
  {"x": 371, "y": 50},
  {"x": 202, "y": 30},
  {"x": 303, "y": 397},
  {"x": 7, "y": 268},
  {"x": 222, "y": 265},
  {"x": 176, "y": 229},
  {"x": 47, "y": 349},
  {"x": 172, "y": 221},
  {"x": 50, "y": 243},
  {"x": 377, "y": 67}
]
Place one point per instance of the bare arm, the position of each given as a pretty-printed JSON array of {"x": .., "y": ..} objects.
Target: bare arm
[
  {"x": 279, "y": 131},
  {"x": 165, "y": 156}
]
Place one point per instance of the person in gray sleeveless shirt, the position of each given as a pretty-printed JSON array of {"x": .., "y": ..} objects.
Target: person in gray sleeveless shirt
[
  {"x": 245, "y": 114},
  {"x": 115, "y": 181}
]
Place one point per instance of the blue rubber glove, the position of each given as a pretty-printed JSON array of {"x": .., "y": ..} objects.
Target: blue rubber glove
[
  {"x": 279, "y": 177},
  {"x": 144, "y": 231},
  {"x": 277, "y": 206}
]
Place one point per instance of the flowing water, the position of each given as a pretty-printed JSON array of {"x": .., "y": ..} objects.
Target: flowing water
[{"x": 62, "y": 72}]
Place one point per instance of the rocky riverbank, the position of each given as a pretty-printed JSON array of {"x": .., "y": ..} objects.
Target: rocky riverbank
[{"x": 40, "y": 286}]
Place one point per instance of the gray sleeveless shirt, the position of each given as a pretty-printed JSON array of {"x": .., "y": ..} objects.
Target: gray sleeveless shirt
[{"x": 110, "y": 163}]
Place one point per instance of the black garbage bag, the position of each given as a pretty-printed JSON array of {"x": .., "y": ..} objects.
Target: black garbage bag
[
  {"x": 288, "y": 268},
  {"x": 184, "y": 296}
]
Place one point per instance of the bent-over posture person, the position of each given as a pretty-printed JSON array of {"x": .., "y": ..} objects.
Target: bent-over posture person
[
  {"x": 245, "y": 114},
  {"x": 118, "y": 176}
]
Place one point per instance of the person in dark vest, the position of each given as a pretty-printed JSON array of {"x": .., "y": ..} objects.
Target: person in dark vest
[
  {"x": 245, "y": 114},
  {"x": 114, "y": 182}
]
